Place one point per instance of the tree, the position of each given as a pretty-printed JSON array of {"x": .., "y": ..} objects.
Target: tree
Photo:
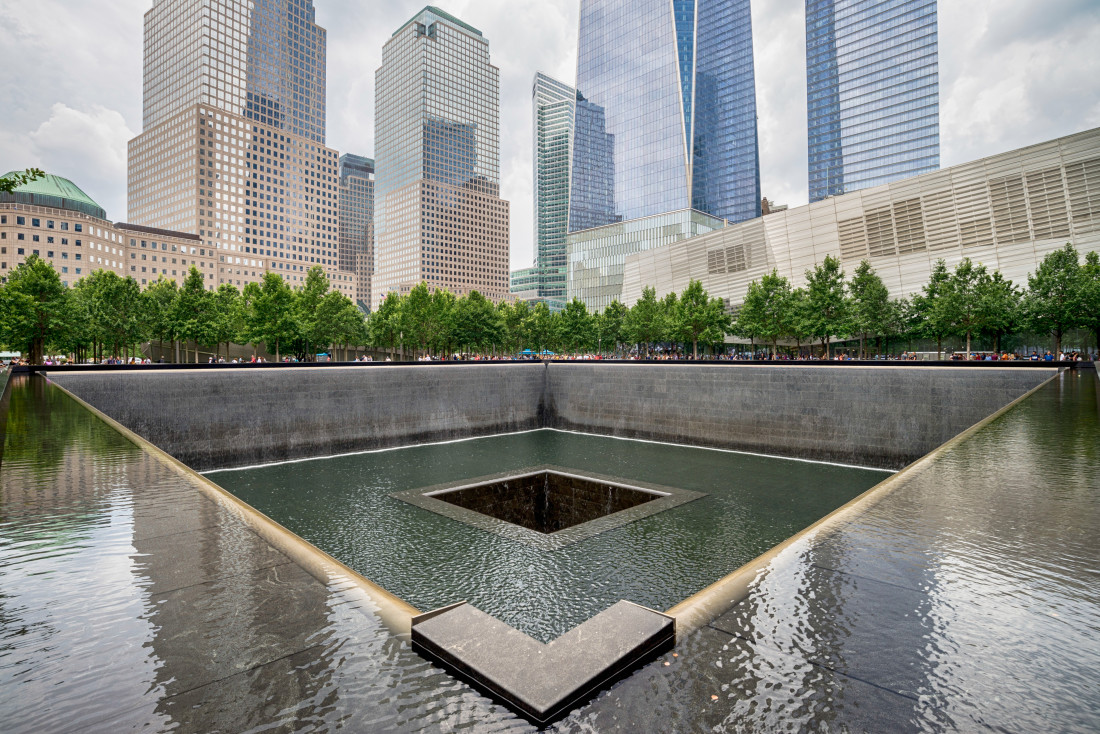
[
  {"x": 271, "y": 317},
  {"x": 799, "y": 323},
  {"x": 194, "y": 311},
  {"x": 701, "y": 317},
  {"x": 349, "y": 326},
  {"x": 14, "y": 180},
  {"x": 870, "y": 305},
  {"x": 539, "y": 327},
  {"x": 160, "y": 312},
  {"x": 1090, "y": 274},
  {"x": 513, "y": 319},
  {"x": 962, "y": 300},
  {"x": 999, "y": 302},
  {"x": 384, "y": 324},
  {"x": 32, "y": 306},
  {"x": 766, "y": 312},
  {"x": 671, "y": 328},
  {"x": 415, "y": 315},
  {"x": 930, "y": 309},
  {"x": 228, "y": 316},
  {"x": 827, "y": 313},
  {"x": 1055, "y": 298},
  {"x": 312, "y": 326},
  {"x": 576, "y": 329},
  {"x": 643, "y": 323},
  {"x": 476, "y": 323},
  {"x": 611, "y": 325},
  {"x": 117, "y": 310}
]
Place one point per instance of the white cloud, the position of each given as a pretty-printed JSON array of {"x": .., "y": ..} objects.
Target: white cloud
[{"x": 87, "y": 147}]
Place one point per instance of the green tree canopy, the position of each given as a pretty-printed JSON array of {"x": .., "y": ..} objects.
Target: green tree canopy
[
  {"x": 576, "y": 327},
  {"x": 1055, "y": 299},
  {"x": 766, "y": 312},
  {"x": 827, "y": 312},
  {"x": 32, "y": 307},
  {"x": 870, "y": 305},
  {"x": 701, "y": 317},
  {"x": 643, "y": 325}
]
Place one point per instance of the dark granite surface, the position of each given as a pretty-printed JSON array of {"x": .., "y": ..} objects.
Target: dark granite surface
[
  {"x": 542, "y": 681},
  {"x": 868, "y": 416}
]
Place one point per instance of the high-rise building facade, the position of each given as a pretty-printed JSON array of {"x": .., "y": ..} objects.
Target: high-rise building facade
[
  {"x": 439, "y": 217},
  {"x": 666, "y": 112},
  {"x": 872, "y": 93},
  {"x": 355, "y": 248},
  {"x": 233, "y": 141},
  {"x": 553, "y": 104}
]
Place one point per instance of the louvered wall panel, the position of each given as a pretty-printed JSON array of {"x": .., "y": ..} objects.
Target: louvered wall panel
[
  {"x": 972, "y": 205},
  {"x": 853, "y": 239},
  {"x": 909, "y": 226},
  {"x": 941, "y": 229},
  {"x": 880, "y": 232},
  {"x": 1009, "y": 209},
  {"x": 1046, "y": 197},
  {"x": 1083, "y": 181}
]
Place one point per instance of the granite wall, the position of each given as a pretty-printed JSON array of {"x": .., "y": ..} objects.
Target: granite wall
[
  {"x": 237, "y": 417},
  {"x": 878, "y": 416},
  {"x": 871, "y": 416}
]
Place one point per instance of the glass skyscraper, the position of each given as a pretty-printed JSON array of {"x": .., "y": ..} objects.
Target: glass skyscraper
[
  {"x": 666, "y": 111},
  {"x": 355, "y": 248},
  {"x": 439, "y": 218},
  {"x": 553, "y": 105},
  {"x": 872, "y": 93}
]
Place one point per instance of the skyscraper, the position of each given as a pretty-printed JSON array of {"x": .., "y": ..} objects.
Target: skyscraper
[
  {"x": 355, "y": 247},
  {"x": 233, "y": 145},
  {"x": 669, "y": 111},
  {"x": 872, "y": 93},
  {"x": 553, "y": 105},
  {"x": 439, "y": 217}
]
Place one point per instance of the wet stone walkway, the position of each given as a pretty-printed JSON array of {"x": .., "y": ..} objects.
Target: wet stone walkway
[{"x": 965, "y": 599}]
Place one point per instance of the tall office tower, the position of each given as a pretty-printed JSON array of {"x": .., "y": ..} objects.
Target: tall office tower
[
  {"x": 668, "y": 113},
  {"x": 554, "y": 103},
  {"x": 233, "y": 141},
  {"x": 355, "y": 246},
  {"x": 872, "y": 93},
  {"x": 439, "y": 217}
]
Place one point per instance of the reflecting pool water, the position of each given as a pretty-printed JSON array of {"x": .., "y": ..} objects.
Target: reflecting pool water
[
  {"x": 344, "y": 506},
  {"x": 965, "y": 599}
]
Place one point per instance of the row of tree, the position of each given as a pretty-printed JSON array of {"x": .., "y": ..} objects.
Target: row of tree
[
  {"x": 105, "y": 313},
  {"x": 965, "y": 303}
]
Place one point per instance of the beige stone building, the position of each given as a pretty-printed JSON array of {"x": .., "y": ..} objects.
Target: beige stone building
[
  {"x": 439, "y": 218},
  {"x": 233, "y": 142},
  {"x": 1007, "y": 212},
  {"x": 53, "y": 218}
]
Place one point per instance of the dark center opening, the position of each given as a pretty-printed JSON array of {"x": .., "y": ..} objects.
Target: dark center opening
[{"x": 547, "y": 501}]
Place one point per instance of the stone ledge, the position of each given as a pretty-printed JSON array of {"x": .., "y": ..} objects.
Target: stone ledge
[{"x": 541, "y": 682}]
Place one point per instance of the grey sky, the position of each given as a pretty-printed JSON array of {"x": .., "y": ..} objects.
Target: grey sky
[{"x": 1012, "y": 73}]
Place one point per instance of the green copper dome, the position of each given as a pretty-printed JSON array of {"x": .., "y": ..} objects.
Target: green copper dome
[{"x": 54, "y": 191}]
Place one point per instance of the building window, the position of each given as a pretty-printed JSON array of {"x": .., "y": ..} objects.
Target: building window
[
  {"x": 78, "y": 227},
  {"x": 64, "y": 269},
  {"x": 34, "y": 237},
  {"x": 20, "y": 252},
  {"x": 49, "y": 224},
  {"x": 36, "y": 223},
  {"x": 20, "y": 220},
  {"x": 49, "y": 253}
]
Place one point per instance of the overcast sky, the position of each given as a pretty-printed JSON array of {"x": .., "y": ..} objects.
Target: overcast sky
[{"x": 1012, "y": 73}]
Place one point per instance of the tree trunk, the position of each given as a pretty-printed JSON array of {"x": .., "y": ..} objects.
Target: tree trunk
[
  {"x": 861, "y": 355},
  {"x": 695, "y": 348},
  {"x": 968, "y": 344},
  {"x": 277, "y": 350},
  {"x": 177, "y": 343},
  {"x": 939, "y": 348}
]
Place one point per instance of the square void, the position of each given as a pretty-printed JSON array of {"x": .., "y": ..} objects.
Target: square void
[{"x": 547, "y": 506}]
